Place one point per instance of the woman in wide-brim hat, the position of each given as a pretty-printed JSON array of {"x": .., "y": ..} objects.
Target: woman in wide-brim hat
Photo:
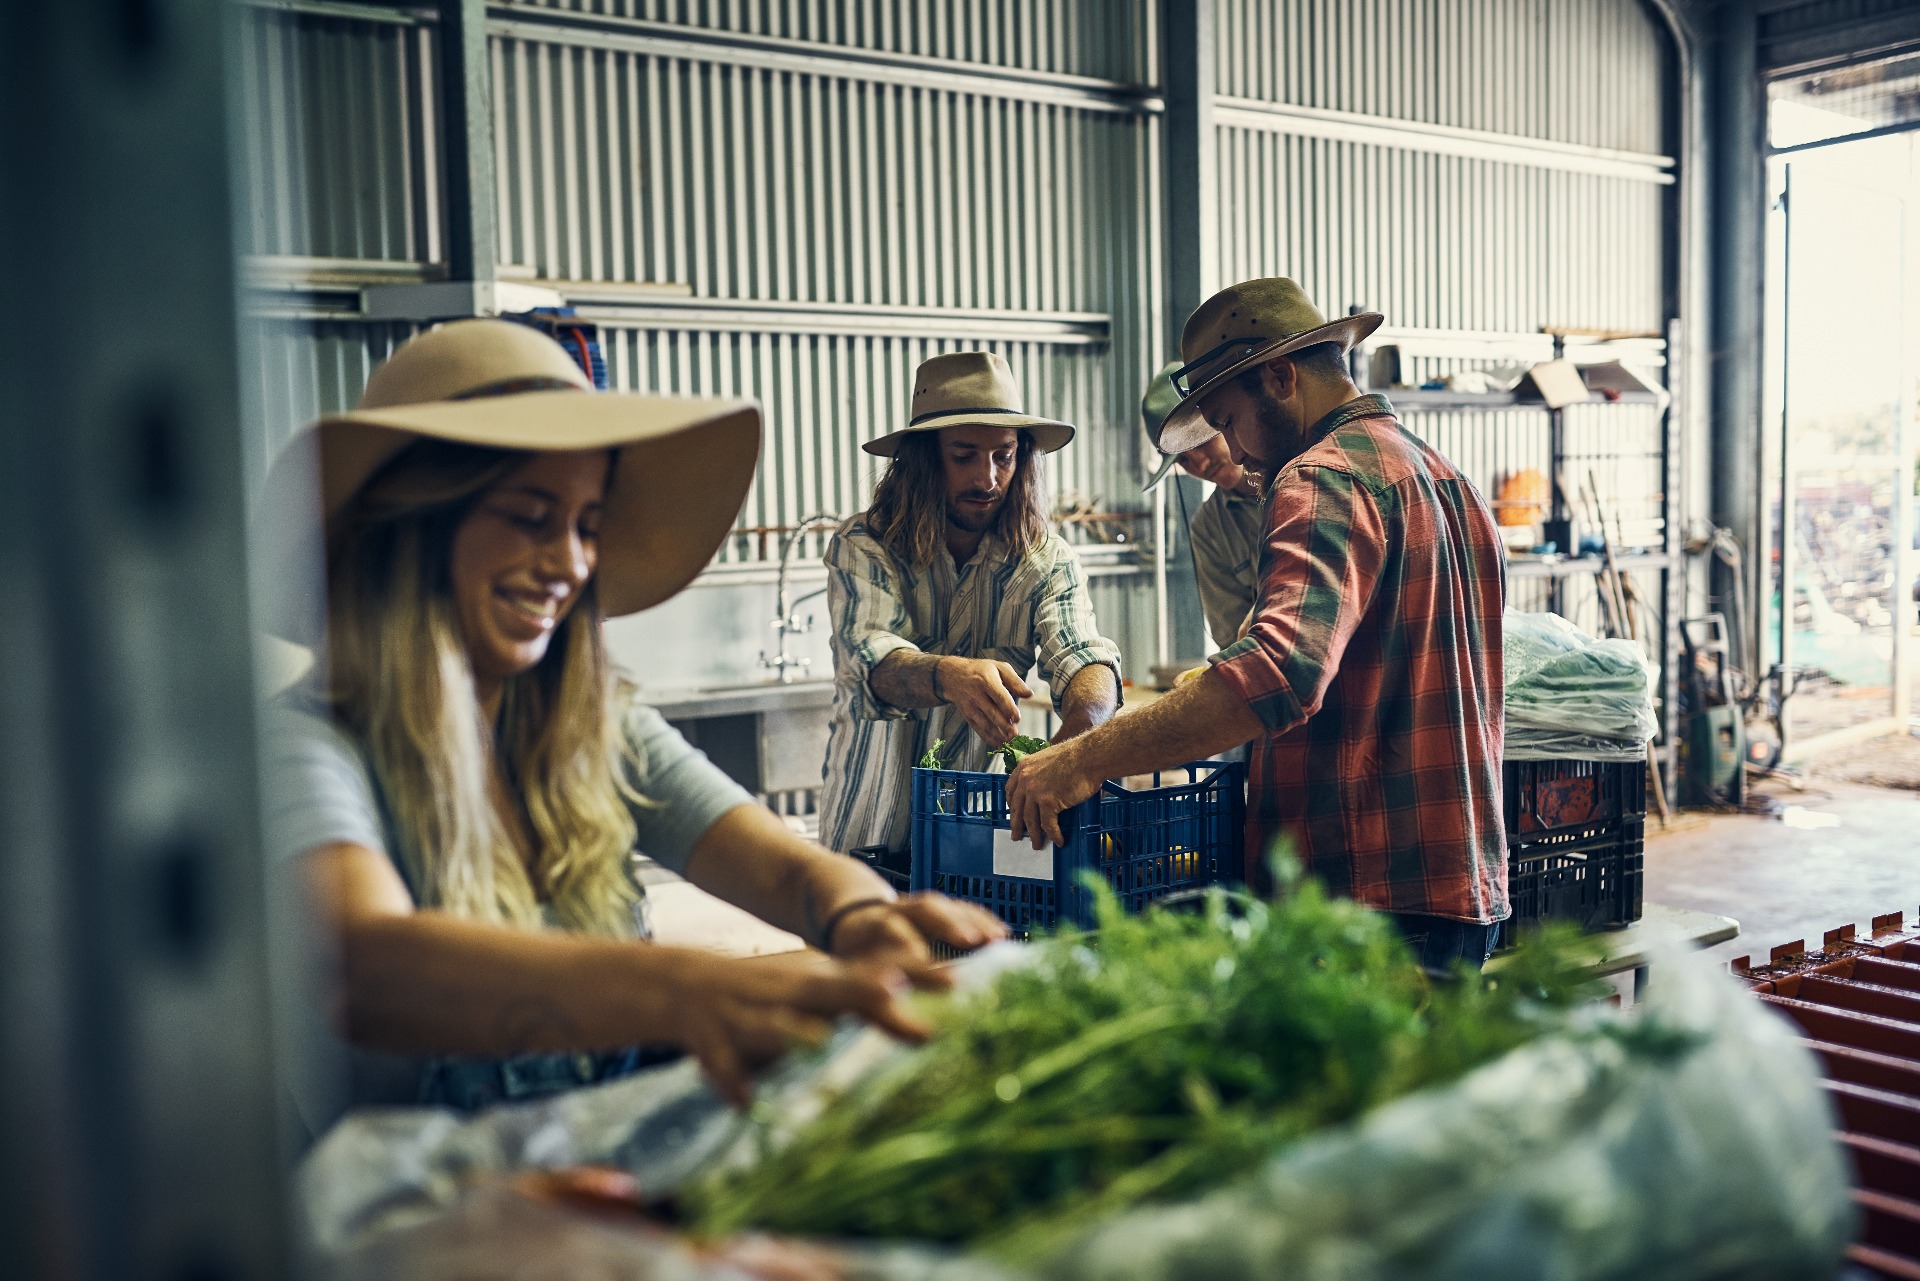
[{"x": 463, "y": 778}]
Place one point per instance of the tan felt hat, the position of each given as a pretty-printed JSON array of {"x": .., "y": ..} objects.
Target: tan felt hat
[
  {"x": 968, "y": 389},
  {"x": 677, "y": 485},
  {"x": 1242, "y": 326}
]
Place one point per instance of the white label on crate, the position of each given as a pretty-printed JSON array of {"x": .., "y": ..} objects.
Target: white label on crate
[{"x": 1018, "y": 858}]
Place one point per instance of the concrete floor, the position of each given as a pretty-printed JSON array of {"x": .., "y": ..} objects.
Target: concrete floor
[{"x": 1791, "y": 876}]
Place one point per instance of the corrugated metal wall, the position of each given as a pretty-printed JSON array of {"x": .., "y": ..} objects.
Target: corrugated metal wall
[
  {"x": 851, "y": 214},
  {"x": 339, "y": 136},
  {"x": 892, "y": 200},
  {"x": 1463, "y": 166},
  {"x": 1575, "y": 71},
  {"x": 840, "y": 188},
  {"x": 1102, "y": 39}
]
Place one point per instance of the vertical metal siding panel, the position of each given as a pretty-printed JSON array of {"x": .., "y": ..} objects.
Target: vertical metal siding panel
[
  {"x": 695, "y": 167},
  {"x": 652, "y": 201},
  {"x": 521, "y": 126},
  {"x": 599, "y": 112},
  {"x": 993, "y": 197},
  {"x": 619, "y": 163},
  {"x": 423, "y": 118},
  {"x": 834, "y": 194},
  {"x": 768, "y": 123},
  {"x": 921, "y": 222},
  {"x": 885, "y": 102},
  {"x": 940, "y": 214}
]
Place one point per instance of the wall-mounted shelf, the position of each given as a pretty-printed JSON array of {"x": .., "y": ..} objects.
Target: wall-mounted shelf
[
  {"x": 1573, "y": 566},
  {"x": 1565, "y": 517},
  {"x": 1491, "y": 401}
]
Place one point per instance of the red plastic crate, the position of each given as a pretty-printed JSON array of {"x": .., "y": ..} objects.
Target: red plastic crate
[{"x": 1563, "y": 802}]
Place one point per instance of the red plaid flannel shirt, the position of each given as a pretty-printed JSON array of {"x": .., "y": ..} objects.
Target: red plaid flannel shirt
[{"x": 1375, "y": 663}]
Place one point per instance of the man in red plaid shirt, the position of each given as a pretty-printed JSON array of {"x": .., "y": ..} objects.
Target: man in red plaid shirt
[{"x": 1371, "y": 681}]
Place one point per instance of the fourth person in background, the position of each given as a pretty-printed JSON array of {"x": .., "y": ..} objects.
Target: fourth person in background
[
  {"x": 1225, "y": 532},
  {"x": 944, "y": 593}
]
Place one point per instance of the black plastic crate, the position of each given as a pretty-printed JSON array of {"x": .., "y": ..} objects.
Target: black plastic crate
[
  {"x": 1146, "y": 843},
  {"x": 1594, "y": 883},
  {"x": 1568, "y": 802},
  {"x": 894, "y": 866}
]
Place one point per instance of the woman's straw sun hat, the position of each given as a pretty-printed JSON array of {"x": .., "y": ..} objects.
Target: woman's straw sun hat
[{"x": 677, "y": 484}]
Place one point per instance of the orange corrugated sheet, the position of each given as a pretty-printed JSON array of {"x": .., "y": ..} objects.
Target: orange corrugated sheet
[{"x": 1857, "y": 1002}]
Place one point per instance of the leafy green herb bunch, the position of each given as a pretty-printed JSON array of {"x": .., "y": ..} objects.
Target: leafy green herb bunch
[{"x": 1155, "y": 1059}]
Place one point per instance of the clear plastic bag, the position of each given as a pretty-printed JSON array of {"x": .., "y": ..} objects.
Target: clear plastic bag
[
  {"x": 1569, "y": 1158},
  {"x": 1565, "y": 688},
  {"x": 1558, "y": 745}
]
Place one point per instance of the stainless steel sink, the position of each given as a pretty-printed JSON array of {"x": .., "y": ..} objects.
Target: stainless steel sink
[
  {"x": 746, "y": 698},
  {"x": 747, "y": 687}
]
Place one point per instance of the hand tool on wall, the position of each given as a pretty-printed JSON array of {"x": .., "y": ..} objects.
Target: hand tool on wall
[{"x": 1628, "y": 611}]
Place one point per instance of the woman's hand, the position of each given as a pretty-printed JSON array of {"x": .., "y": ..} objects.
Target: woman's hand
[
  {"x": 986, "y": 693},
  {"x": 896, "y": 933},
  {"x": 736, "y": 1016}
]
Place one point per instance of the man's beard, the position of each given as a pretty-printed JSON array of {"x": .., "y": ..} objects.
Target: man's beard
[
  {"x": 975, "y": 521},
  {"x": 1287, "y": 438}
]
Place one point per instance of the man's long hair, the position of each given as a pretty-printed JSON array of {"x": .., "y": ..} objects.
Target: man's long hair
[
  {"x": 399, "y": 678},
  {"x": 908, "y": 514}
]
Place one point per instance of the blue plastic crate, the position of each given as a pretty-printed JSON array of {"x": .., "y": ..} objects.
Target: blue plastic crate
[{"x": 1147, "y": 843}]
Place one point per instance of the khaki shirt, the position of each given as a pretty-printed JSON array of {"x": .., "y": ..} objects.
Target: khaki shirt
[{"x": 1226, "y": 545}]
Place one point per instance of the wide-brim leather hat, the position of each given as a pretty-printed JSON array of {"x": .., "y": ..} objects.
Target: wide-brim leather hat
[
  {"x": 970, "y": 389},
  {"x": 679, "y": 478},
  {"x": 1242, "y": 326}
]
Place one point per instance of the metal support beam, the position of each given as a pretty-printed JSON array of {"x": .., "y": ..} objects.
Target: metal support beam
[
  {"x": 1193, "y": 182},
  {"x": 467, "y": 88},
  {"x": 138, "y": 1130},
  {"x": 544, "y": 24},
  {"x": 1836, "y": 42},
  {"x": 1883, "y": 131},
  {"x": 1737, "y": 204},
  {"x": 1441, "y": 140}
]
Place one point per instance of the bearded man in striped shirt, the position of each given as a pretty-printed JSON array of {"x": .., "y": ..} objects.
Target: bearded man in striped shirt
[
  {"x": 944, "y": 594},
  {"x": 1370, "y": 681}
]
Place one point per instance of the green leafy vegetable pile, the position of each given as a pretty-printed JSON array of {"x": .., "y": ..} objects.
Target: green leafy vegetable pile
[
  {"x": 1164, "y": 1058},
  {"x": 930, "y": 759}
]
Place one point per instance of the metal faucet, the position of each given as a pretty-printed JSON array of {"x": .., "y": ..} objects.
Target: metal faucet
[{"x": 786, "y": 622}]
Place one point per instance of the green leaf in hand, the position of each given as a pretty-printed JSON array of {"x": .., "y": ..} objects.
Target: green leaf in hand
[{"x": 1018, "y": 748}]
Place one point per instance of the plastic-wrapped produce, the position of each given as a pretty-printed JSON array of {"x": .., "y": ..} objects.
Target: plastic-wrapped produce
[
  {"x": 1570, "y": 695},
  {"x": 1696, "y": 1144},
  {"x": 1567, "y": 1158}
]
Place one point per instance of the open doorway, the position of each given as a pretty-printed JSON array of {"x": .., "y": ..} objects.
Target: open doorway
[{"x": 1843, "y": 284}]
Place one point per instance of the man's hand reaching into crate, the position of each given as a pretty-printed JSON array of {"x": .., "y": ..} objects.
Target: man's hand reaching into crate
[
  {"x": 1199, "y": 718},
  {"x": 986, "y": 692}
]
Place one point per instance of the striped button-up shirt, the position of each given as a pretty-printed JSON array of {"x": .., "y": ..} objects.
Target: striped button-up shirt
[
  {"x": 993, "y": 607},
  {"x": 1375, "y": 664}
]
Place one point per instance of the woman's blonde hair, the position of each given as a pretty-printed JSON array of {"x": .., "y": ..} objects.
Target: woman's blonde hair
[{"x": 398, "y": 676}]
